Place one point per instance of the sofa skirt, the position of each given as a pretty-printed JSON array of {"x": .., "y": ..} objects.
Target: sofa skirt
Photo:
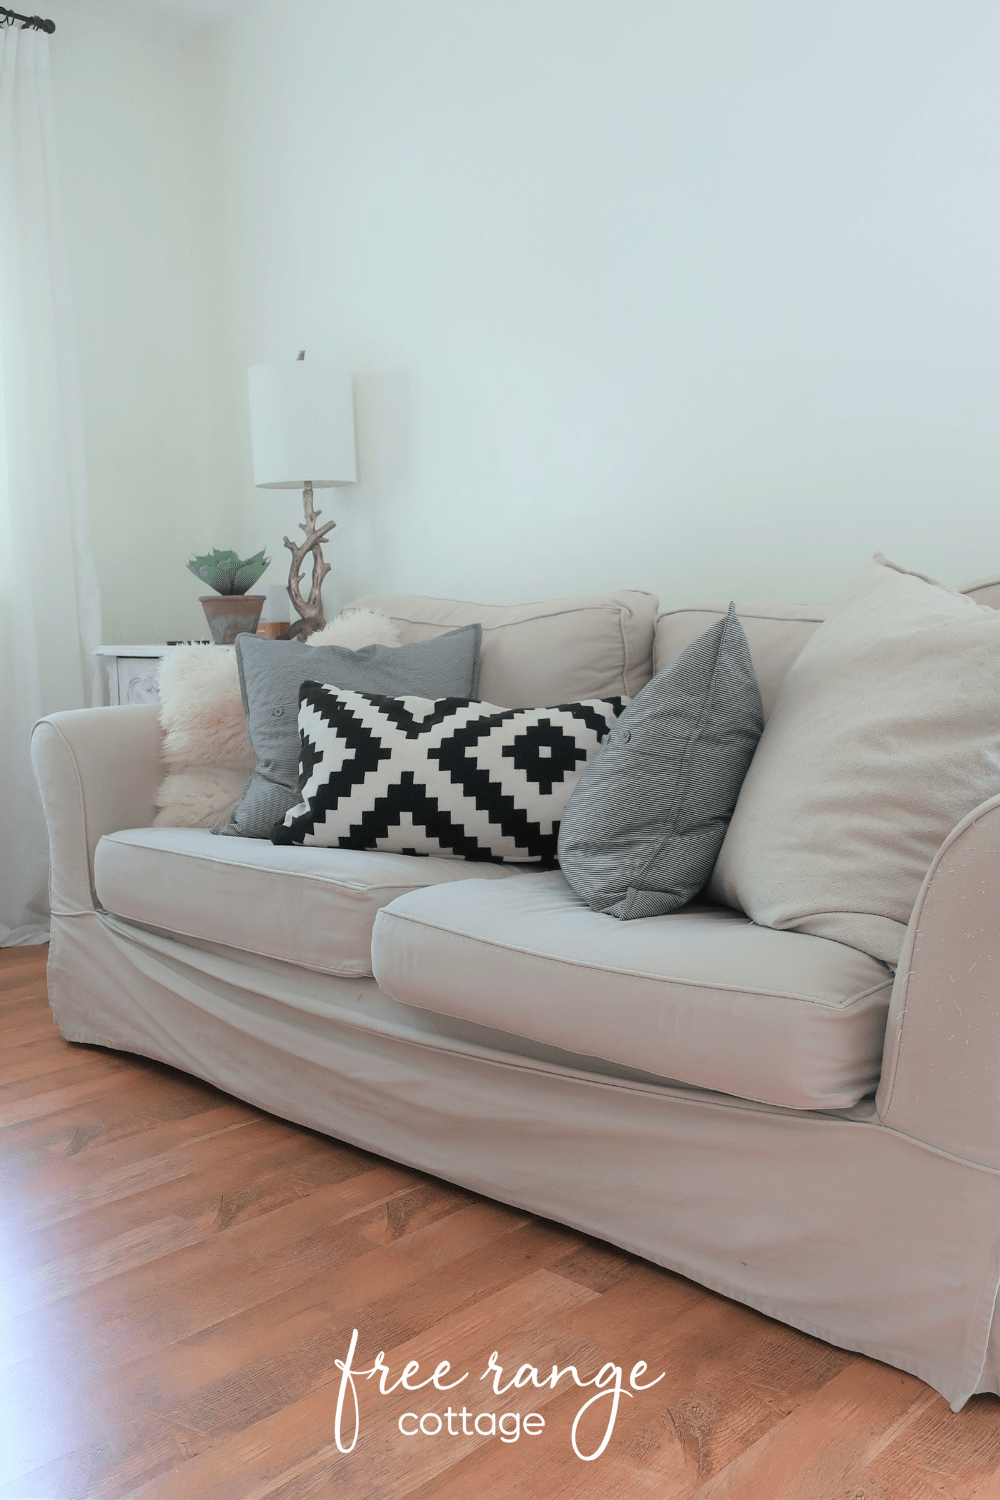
[{"x": 831, "y": 1223}]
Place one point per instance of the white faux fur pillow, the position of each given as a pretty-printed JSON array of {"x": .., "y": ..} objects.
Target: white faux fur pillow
[
  {"x": 359, "y": 627},
  {"x": 205, "y": 743}
]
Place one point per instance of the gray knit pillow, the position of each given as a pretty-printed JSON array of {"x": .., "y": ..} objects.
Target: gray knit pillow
[
  {"x": 643, "y": 828},
  {"x": 271, "y": 673}
]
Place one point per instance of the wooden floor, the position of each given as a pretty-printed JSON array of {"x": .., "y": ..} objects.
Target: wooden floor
[{"x": 180, "y": 1273}]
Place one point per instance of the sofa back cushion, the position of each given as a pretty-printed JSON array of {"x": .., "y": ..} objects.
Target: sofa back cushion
[
  {"x": 775, "y": 634},
  {"x": 983, "y": 591},
  {"x": 534, "y": 655}
]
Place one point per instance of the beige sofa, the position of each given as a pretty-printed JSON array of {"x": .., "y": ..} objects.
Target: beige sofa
[{"x": 770, "y": 1113}]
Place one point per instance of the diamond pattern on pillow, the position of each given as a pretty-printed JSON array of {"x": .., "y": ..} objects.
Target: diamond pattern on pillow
[{"x": 439, "y": 775}]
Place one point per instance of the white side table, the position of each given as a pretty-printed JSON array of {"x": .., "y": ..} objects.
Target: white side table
[{"x": 131, "y": 674}]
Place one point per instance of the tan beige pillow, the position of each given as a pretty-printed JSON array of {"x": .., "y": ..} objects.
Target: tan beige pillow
[{"x": 886, "y": 731}]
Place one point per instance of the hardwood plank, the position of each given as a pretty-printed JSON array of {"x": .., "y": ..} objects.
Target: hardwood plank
[
  {"x": 42, "y": 1077},
  {"x": 34, "y": 1144},
  {"x": 855, "y": 1416},
  {"x": 37, "y": 1106},
  {"x": 229, "y": 1181},
  {"x": 30, "y": 1028},
  {"x": 50, "y": 1054},
  {"x": 19, "y": 1001},
  {"x": 80, "y": 1269},
  {"x": 941, "y": 1454},
  {"x": 148, "y": 1307},
  {"x": 125, "y": 1179},
  {"x": 448, "y": 1288},
  {"x": 131, "y": 1138},
  {"x": 21, "y": 968}
]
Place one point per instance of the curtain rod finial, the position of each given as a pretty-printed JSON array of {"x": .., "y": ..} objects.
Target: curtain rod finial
[{"x": 28, "y": 23}]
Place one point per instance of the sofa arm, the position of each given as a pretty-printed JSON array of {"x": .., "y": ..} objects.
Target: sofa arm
[
  {"x": 941, "y": 1064},
  {"x": 98, "y": 770}
]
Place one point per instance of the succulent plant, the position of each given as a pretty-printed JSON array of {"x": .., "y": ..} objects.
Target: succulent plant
[{"x": 228, "y": 574}]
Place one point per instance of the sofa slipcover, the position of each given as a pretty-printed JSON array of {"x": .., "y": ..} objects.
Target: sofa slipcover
[
  {"x": 309, "y": 906},
  {"x": 701, "y": 996},
  {"x": 876, "y": 1228}
]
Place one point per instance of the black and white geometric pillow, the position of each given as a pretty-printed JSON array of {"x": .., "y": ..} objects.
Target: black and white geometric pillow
[{"x": 439, "y": 775}]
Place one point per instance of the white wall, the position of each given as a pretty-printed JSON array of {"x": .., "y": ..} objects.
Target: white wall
[
  {"x": 701, "y": 298},
  {"x": 120, "y": 96},
  {"x": 698, "y": 298}
]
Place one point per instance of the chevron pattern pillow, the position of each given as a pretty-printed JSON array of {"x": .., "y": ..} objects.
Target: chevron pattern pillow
[{"x": 444, "y": 776}]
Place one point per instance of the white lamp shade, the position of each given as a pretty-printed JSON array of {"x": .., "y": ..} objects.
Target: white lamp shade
[{"x": 301, "y": 425}]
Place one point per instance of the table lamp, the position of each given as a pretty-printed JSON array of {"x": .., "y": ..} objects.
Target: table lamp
[{"x": 302, "y": 435}]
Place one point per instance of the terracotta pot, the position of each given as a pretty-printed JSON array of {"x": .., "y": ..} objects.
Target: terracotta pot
[{"x": 230, "y": 615}]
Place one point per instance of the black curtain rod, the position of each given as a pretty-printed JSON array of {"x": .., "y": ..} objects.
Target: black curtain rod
[{"x": 30, "y": 23}]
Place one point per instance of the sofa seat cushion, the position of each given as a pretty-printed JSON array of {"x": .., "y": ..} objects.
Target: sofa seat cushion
[
  {"x": 312, "y": 907},
  {"x": 776, "y": 634},
  {"x": 701, "y": 996}
]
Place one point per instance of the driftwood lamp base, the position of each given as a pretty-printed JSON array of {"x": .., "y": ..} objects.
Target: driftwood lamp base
[{"x": 310, "y": 608}]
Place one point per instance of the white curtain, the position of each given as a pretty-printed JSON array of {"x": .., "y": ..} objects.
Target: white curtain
[{"x": 49, "y": 601}]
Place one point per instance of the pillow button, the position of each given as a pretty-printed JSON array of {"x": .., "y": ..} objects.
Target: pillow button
[
  {"x": 626, "y": 736},
  {"x": 276, "y": 713}
]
